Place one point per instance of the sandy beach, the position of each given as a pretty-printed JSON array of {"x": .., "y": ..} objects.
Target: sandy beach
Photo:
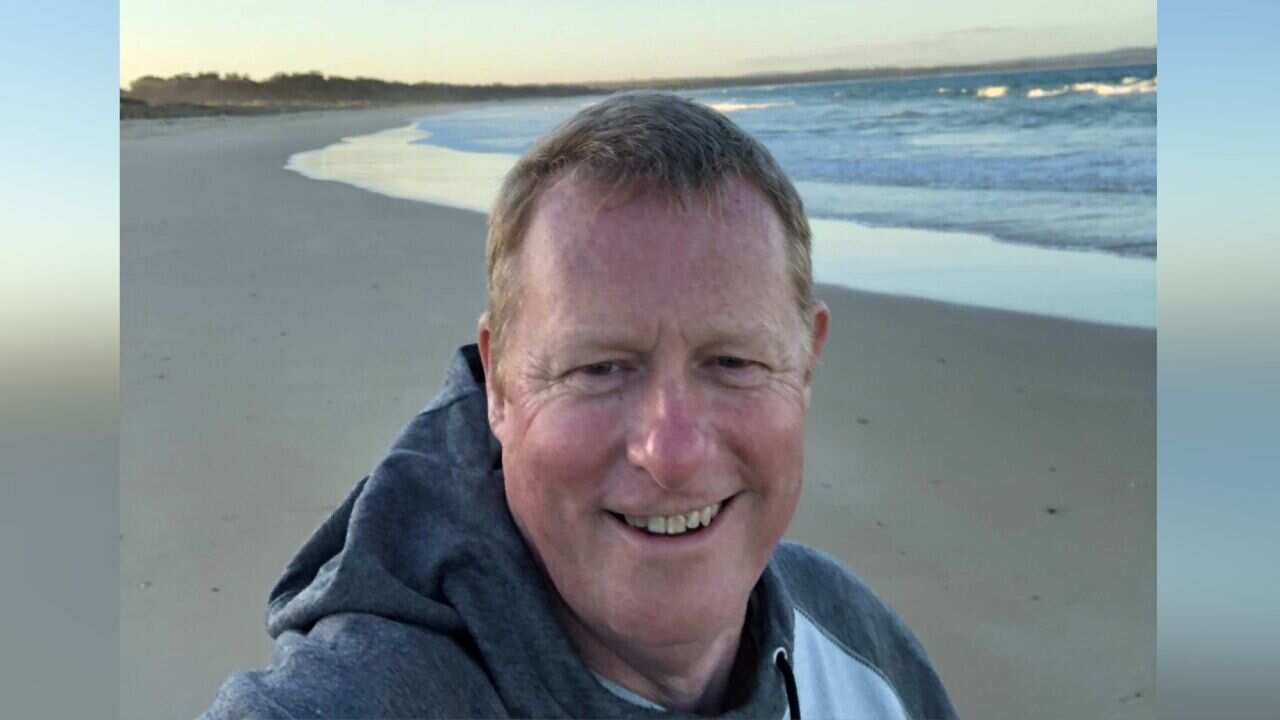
[{"x": 990, "y": 474}]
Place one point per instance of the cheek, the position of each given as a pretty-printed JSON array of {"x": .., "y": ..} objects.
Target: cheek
[
  {"x": 768, "y": 440},
  {"x": 556, "y": 461},
  {"x": 767, "y": 426},
  {"x": 554, "y": 469}
]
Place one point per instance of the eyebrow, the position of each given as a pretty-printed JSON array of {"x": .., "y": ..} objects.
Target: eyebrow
[
  {"x": 757, "y": 334},
  {"x": 590, "y": 338}
]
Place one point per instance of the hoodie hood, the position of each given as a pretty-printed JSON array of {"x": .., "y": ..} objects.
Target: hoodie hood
[{"x": 427, "y": 540}]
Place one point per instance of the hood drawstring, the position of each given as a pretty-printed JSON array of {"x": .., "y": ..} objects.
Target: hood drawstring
[{"x": 789, "y": 679}]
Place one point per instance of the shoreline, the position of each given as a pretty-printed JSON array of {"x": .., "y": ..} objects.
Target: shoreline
[
  {"x": 140, "y": 128},
  {"x": 945, "y": 265},
  {"x": 277, "y": 332}
]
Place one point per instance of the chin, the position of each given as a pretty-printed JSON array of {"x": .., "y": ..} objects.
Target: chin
[{"x": 668, "y": 618}]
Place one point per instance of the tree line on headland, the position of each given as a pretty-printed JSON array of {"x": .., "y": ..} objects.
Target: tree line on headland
[
  {"x": 210, "y": 93},
  {"x": 241, "y": 94}
]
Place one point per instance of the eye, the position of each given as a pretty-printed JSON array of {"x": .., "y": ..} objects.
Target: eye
[
  {"x": 600, "y": 369},
  {"x": 735, "y": 371},
  {"x": 598, "y": 377},
  {"x": 729, "y": 362}
]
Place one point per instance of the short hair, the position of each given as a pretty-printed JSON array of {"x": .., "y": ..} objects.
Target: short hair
[{"x": 639, "y": 142}]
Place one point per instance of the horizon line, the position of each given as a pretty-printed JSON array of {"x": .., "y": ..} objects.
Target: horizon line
[{"x": 751, "y": 77}]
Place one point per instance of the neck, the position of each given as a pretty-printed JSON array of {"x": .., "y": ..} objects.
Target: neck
[{"x": 688, "y": 676}]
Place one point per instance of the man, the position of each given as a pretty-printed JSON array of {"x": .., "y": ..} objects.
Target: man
[{"x": 586, "y": 521}]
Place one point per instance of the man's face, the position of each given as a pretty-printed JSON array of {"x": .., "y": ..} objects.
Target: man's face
[{"x": 657, "y": 365}]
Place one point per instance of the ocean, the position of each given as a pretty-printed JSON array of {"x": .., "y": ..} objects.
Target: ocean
[{"x": 1028, "y": 191}]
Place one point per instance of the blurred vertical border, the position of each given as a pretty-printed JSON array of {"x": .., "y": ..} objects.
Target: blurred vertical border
[
  {"x": 1218, "y": 578},
  {"x": 59, "y": 359}
]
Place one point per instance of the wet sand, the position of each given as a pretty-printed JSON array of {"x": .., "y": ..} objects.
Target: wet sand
[{"x": 991, "y": 474}]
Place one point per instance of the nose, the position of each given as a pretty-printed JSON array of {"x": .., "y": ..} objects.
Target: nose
[{"x": 669, "y": 440}]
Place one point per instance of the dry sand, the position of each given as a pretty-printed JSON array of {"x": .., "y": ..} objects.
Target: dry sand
[{"x": 991, "y": 474}]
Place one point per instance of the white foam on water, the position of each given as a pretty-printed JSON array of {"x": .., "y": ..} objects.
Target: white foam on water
[
  {"x": 961, "y": 268},
  {"x": 1041, "y": 92},
  {"x": 729, "y": 107},
  {"x": 1127, "y": 86}
]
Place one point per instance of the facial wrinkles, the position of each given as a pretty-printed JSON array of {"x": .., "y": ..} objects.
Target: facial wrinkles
[
  {"x": 638, "y": 291},
  {"x": 640, "y": 301},
  {"x": 623, "y": 247},
  {"x": 668, "y": 346},
  {"x": 547, "y": 372},
  {"x": 678, "y": 410},
  {"x": 662, "y": 295}
]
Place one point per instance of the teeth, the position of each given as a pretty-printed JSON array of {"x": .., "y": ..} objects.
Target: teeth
[
  {"x": 692, "y": 519},
  {"x": 674, "y": 524}
]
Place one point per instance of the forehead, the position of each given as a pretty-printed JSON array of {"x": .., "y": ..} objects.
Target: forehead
[
  {"x": 733, "y": 240},
  {"x": 598, "y": 270}
]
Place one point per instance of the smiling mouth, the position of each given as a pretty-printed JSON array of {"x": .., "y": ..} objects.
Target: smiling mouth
[{"x": 684, "y": 523}]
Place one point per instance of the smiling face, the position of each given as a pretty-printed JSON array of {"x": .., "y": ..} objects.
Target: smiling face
[{"x": 657, "y": 364}]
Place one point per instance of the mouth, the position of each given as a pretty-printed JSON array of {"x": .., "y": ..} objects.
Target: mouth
[{"x": 694, "y": 521}]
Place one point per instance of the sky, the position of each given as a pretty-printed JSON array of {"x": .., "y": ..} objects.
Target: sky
[{"x": 485, "y": 41}]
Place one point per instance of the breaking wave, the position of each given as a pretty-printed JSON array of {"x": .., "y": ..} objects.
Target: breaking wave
[
  {"x": 728, "y": 107},
  {"x": 1126, "y": 86}
]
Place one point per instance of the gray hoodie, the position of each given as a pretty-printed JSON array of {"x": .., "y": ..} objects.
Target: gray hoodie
[{"x": 418, "y": 598}]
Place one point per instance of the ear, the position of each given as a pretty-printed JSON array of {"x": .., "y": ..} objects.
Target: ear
[
  {"x": 817, "y": 340},
  {"x": 493, "y": 387}
]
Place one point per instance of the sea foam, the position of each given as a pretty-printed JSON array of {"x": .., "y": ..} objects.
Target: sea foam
[
  {"x": 729, "y": 107},
  {"x": 1127, "y": 86}
]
